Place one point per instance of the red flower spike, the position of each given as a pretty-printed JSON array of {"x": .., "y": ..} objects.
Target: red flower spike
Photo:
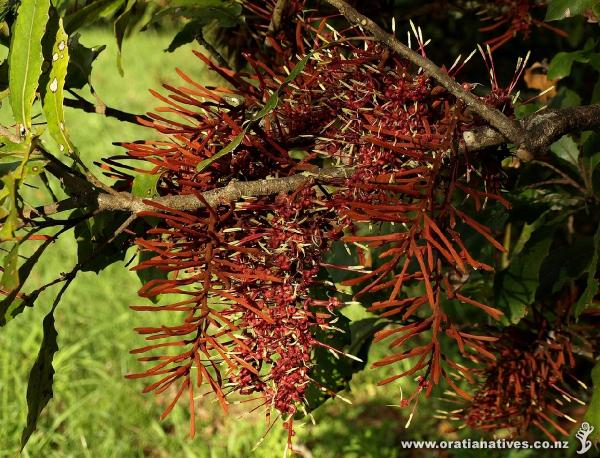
[{"x": 247, "y": 269}]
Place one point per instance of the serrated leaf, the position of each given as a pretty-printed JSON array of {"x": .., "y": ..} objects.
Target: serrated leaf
[
  {"x": 516, "y": 286},
  {"x": 331, "y": 372},
  {"x": 54, "y": 96},
  {"x": 229, "y": 148},
  {"x": 41, "y": 377},
  {"x": 592, "y": 415},
  {"x": 566, "y": 149},
  {"x": 334, "y": 372},
  {"x": 25, "y": 57},
  {"x": 144, "y": 185},
  {"x": 592, "y": 285}
]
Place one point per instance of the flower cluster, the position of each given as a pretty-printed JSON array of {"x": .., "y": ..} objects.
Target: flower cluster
[
  {"x": 528, "y": 385},
  {"x": 245, "y": 270}
]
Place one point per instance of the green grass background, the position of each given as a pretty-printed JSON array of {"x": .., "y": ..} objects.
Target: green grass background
[{"x": 96, "y": 412}]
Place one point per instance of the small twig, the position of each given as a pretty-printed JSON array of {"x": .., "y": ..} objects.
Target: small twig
[
  {"x": 82, "y": 104},
  {"x": 234, "y": 191},
  {"x": 202, "y": 41},
  {"x": 56, "y": 207},
  {"x": 130, "y": 219},
  {"x": 4, "y": 132},
  {"x": 509, "y": 128},
  {"x": 566, "y": 178}
]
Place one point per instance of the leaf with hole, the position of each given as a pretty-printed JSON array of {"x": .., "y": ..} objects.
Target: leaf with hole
[{"x": 54, "y": 95}]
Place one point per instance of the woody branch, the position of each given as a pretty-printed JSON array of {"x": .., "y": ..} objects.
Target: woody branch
[{"x": 540, "y": 130}]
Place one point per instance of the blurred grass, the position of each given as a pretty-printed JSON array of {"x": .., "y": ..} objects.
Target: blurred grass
[{"x": 95, "y": 411}]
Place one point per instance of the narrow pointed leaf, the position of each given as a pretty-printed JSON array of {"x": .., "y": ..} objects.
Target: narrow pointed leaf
[
  {"x": 230, "y": 148},
  {"x": 25, "y": 57},
  {"x": 39, "y": 388},
  {"x": 54, "y": 97}
]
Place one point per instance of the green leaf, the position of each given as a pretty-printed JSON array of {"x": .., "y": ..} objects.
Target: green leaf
[
  {"x": 334, "y": 372},
  {"x": 298, "y": 68},
  {"x": 186, "y": 35},
  {"x": 25, "y": 57},
  {"x": 566, "y": 98},
  {"x": 331, "y": 372},
  {"x": 566, "y": 264},
  {"x": 91, "y": 13},
  {"x": 561, "y": 64},
  {"x": 10, "y": 276},
  {"x": 119, "y": 27},
  {"x": 591, "y": 288},
  {"x": 149, "y": 273},
  {"x": 54, "y": 95},
  {"x": 231, "y": 147},
  {"x": 39, "y": 388},
  {"x": 4, "y": 91},
  {"x": 8, "y": 7},
  {"x": 566, "y": 149},
  {"x": 144, "y": 185},
  {"x": 525, "y": 109},
  {"x": 91, "y": 236},
  {"x": 362, "y": 333},
  {"x": 516, "y": 286},
  {"x": 592, "y": 415},
  {"x": 274, "y": 99},
  {"x": 264, "y": 111},
  {"x": 269, "y": 106},
  {"x": 224, "y": 13},
  {"x": 13, "y": 304},
  {"x": 11, "y": 222},
  {"x": 560, "y": 9},
  {"x": 81, "y": 60}
]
